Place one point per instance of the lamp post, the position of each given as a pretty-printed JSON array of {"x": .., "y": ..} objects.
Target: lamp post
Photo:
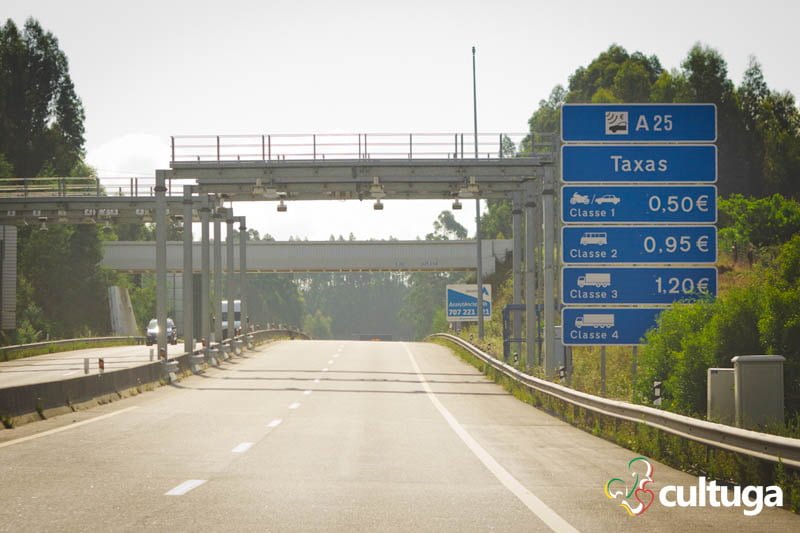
[{"x": 479, "y": 270}]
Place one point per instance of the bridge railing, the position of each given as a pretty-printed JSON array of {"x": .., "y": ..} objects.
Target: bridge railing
[
  {"x": 83, "y": 187},
  {"x": 325, "y": 146}
]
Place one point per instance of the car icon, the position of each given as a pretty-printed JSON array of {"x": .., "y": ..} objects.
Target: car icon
[
  {"x": 607, "y": 199},
  {"x": 578, "y": 198}
]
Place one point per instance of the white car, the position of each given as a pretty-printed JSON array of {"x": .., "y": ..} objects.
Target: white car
[{"x": 607, "y": 199}]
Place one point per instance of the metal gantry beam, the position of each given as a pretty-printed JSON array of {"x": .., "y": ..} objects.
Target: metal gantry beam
[{"x": 354, "y": 179}]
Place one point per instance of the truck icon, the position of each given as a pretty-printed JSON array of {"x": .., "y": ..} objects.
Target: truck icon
[
  {"x": 596, "y": 279},
  {"x": 594, "y": 237},
  {"x": 595, "y": 321}
]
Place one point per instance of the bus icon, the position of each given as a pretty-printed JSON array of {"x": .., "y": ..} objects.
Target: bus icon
[{"x": 599, "y": 238}]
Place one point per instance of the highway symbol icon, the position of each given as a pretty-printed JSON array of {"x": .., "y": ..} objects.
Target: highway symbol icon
[{"x": 616, "y": 122}]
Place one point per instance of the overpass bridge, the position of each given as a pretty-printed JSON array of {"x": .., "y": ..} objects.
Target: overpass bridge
[{"x": 320, "y": 256}]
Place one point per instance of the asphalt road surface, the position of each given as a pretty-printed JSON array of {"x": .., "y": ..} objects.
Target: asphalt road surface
[
  {"x": 63, "y": 365},
  {"x": 329, "y": 435}
]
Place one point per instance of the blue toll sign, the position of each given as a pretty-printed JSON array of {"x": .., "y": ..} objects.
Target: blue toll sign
[
  {"x": 462, "y": 302},
  {"x": 587, "y": 326},
  {"x": 639, "y": 163},
  {"x": 637, "y": 203},
  {"x": 636, "y": 285},
  {"x": 639, "y": 123},
  {"x": 639, "y": 244}
]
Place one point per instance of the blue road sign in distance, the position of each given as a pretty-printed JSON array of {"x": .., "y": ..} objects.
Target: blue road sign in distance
[
  {"x": 636, "y": 203},
  {"x": 634, "y": 285},
  {"x": 639, "y": 163},
  {"x": 585, "y": 326},
  {"x": 462, "y": 302},
  {"x": 639, "y": 244},
  {"x": 639, "y": 123}
]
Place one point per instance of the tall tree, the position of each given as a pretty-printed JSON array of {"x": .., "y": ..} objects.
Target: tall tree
[
  {"x": 41, "y": 117},
  {"x": 707, "y": 80}
]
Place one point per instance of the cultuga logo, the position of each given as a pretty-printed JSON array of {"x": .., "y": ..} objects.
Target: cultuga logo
[{"x": 636, "y": 498}]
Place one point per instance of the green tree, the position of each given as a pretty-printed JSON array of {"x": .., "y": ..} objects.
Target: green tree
[
  {"x": 41, "y": 117},
  {"x": 446, "y": 227}
]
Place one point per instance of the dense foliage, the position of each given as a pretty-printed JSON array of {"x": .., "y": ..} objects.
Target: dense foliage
[
  {"x": 759, "y": 128},
  {"x": 760, "y": 315}
]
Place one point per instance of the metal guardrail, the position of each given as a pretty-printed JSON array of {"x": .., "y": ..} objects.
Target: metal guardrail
[
  {"x": 751, "y": 443},
  {"x": 6, "y": 350}
]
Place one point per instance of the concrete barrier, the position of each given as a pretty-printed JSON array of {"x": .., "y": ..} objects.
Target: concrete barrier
[{"x": 26, "y": 402}]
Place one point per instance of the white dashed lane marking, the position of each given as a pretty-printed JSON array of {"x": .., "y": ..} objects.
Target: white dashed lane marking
[
  {"x": 294, "y": 405},
  {"x": 275, "y": 423},
  {"x": 325, "y": 369},
  {"x": 185, "y": 487},
  {"x": 243, "y": 447},
  {"x": 307, "y": 392}
]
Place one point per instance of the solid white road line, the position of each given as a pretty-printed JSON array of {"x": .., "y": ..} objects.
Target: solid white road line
[
  {"x": 294, "y": 405},
  {"x": 70, "y": 373},
  {"x": 275, "y": 423},
  {"x": 71, "y": 426},
  {"x": 537, "y": 506},
  {"x": 243, "y": 447},
  {"x": 185, "y": 487}
]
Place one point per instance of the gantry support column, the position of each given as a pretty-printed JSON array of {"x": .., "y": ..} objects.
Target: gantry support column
[
  {"x": 230, "y": 287},
  {"x": 217, "y": 305},
  {"x": 549, "y": 221},
  {"x": 205, "y": 274},
  {"x": 530, "y": 272},
  {"x": 516, "y": 218},
  {"x": 243, "y": 272},
  {"x": 161, "y": 262},
  {"x": 188, "y": 272}
]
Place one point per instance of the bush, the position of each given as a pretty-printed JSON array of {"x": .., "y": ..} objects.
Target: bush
[{"x": 761, "y": 316}]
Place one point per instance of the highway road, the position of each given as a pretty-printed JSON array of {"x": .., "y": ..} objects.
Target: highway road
[
  {"x": 63, "y": 365},
  {"x": 336, "y": 436}
]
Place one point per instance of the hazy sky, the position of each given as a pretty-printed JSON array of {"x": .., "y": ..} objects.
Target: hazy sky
[{"x": 146, "y": 70}]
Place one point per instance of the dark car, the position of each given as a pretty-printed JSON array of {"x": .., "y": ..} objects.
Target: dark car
[{"x": 152, "y": 332}]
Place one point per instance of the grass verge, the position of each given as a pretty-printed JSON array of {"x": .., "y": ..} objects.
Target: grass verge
[{"x": 7, "y": 354}]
